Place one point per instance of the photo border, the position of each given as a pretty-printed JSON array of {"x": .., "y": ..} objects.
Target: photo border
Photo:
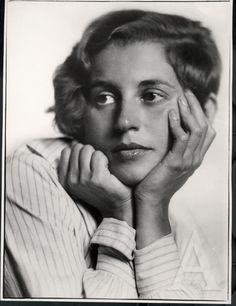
[{"x": 2, "y": 169}]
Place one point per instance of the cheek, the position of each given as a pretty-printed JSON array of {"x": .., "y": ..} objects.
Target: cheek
[
  {"x": 159, "y": 127},
  {"x": 96, "y": 129},
  {"x": 158, "y": 124}
]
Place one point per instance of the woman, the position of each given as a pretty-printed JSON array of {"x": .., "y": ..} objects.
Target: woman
[{"x": 88, "y": 216}]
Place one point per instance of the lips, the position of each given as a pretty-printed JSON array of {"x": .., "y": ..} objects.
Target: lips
[{"x": 130, "y": 151}]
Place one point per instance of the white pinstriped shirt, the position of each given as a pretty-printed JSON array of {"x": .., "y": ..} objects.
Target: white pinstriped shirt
[{"x": 51, "y": 242}]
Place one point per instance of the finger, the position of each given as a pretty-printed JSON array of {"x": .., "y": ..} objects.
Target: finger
[
  {"x": 74, "y": 143},
  {"x": 63, "y": 166},
  {"x": 208, "y": 132},
  {"x": 200, "y": 116},
  {"x": 200, "y": 153},
  {"x": 84, "y": 163},
  {"x": 180, "y": 137},
  {"x": 73, "y": 172},
  {"x": 191, "y": 124},
  {"x": 196, "y": 108},
  {"x": 99, "y": 164},
  {"x": 211, "y": 133}
]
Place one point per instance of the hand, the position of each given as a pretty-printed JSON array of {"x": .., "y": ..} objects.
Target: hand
[
  {"x": 191, "y": 143},
  {"x": 84, "y": 173},
  {"x": 189, "y": 148}
]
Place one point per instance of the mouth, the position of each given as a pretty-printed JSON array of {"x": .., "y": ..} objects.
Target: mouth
[{"x": 130, "y": 151}]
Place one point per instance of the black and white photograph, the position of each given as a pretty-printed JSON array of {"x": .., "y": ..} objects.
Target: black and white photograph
[{"x": 117, "y": 163}]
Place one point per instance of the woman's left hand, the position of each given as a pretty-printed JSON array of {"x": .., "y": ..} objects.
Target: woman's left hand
[{"x": 191, "y": 142}]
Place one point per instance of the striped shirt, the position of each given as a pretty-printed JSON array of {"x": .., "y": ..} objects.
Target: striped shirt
[{"x": 57, "y": 248}]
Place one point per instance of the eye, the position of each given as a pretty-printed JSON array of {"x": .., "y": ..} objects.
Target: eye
[
  {"x": 152, "y": 97},
  {"x": 104, "y": 99}
]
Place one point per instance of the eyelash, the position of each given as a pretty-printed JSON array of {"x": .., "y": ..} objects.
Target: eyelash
[
  {"x": 160, "y": 96},
  {"x": 104, "y": 94}
]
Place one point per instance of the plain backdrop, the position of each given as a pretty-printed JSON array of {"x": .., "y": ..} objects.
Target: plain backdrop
[{"x": 41, "y": 35}]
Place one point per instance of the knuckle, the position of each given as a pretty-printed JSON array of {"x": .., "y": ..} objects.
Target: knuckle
[
  {"x": 198, "y": 132},
  {"x": 212, "y": 132},
  {"x": 176, "y": 167},
  {"x": 205, "y": 126},
  {"x": 196, "y": 163},
  {"x": 71, "y": 180},
  {"x": 190, "y": 172},
  {"x": 200, "y": 161},
  {"x": 83, "y": 180},
  {"x": 184, "y": 138},
  {"x": 75, "y": 149},
  {"x": 76, "y": 146},
  {"x": 187, "y": 164},
  {"x": 98, "y": 154},
  {"x": 81, "y": 148},
  {"x": 175, "y": 164},
  {"x": 102, "y": 156},
  {"x": 96, "y": 180},
  {"x": 74, "y": 143},
  {"x": 65, "y": 152},
  {"x": 83, "y": 151},
  {"x": 88, "y": 147}
]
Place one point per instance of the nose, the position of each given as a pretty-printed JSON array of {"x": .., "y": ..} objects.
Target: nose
[{"x": 128, "y": 117}]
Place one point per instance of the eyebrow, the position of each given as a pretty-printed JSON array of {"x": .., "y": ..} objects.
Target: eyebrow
[
  {"x": 155, "y": 82},
  {"x": 105, "y": 84},
  {"x": 111, "y": 86}
]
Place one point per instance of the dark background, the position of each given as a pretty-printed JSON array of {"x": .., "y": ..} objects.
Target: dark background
[{"x": 233, "y": 181}]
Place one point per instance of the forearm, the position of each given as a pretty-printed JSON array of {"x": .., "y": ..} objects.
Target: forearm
[
  {"x": 152, "y": 223},
  {"x": 157, "y": 267},
  {"x": 159, "y": 274},
  {"x": 122, "y": 212}
]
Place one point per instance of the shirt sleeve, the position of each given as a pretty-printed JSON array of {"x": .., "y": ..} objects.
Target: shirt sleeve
[
  {"x": 116, "y": 243},
  {"x": 159, "y": 273},
  {"x": 43, "y": 255}
]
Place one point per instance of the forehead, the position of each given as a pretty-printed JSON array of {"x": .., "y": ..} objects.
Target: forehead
[{"x": 133, "y": 63}]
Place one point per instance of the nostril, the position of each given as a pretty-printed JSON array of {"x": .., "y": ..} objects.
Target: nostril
[
  {"x": 125, "y": 124},
  {"x": 127, "y": 116}
]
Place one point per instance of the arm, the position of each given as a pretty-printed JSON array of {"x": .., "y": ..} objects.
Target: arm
[
  {"x": 114, "y": 271},
  {"x": 45, "y": 238},
  {"x": 84, "y": 172},
  {"x": 153, "y": 195}
]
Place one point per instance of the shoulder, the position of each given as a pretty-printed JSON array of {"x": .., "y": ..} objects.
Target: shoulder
[
  {"x": 48, "y": 149},
  {"x": 32, "y": 182},
  {"x": 40, "y": 155}
]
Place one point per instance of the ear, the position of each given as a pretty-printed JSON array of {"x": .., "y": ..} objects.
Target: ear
[{"x": 210, "y": 107}]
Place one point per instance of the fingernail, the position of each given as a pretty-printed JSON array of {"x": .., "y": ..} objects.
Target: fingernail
[
  {"x": 183, "y": 101},
  {"x": 174, "y": 115}
]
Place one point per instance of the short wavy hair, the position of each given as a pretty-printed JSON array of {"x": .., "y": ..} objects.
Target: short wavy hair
[{"x": 190, "y": 49}]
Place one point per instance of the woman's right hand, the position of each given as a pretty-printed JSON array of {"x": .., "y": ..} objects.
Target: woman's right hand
[{"x": 84, "y": 173}]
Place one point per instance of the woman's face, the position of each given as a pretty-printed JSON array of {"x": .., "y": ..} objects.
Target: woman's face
[{"x": 132, "y": 89}]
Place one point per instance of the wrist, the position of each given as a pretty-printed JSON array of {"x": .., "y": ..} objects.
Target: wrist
[
  {"x": 152, "y": 223},
  {"x": 122, "y": 212}
]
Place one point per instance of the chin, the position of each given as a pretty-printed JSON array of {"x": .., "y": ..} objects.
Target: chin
[{"x": 130, "y": 177}]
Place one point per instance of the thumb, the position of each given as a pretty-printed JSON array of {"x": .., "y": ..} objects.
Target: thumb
[{"x": 63, "y": 166}]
